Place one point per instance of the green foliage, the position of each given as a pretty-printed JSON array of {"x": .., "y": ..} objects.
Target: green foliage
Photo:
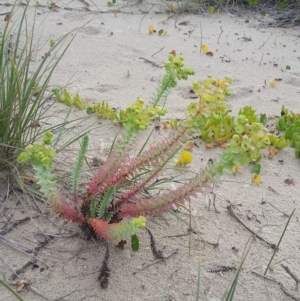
[
  {"x": 256, "y": 168},
  {"x": 135, "y": 244},
  {"x": 252, "y": 2},
  {"x": 289, "y": 122},
  {"x": 280, "y": 142},
  {"x": 106, "y": 200},
  {"x": 117, "y": 231},
  {"x": 244, "y": 136},
  {"x": 111, "y": 3},
  {"x": 40, "y": 156},
  {"x": 211, "y": 9},
  {"x": 76, "y": 174},
  {"x": 175, "y": 70},
  {"x": 23, "y": 89},
  {"x": 210, "y": 115},
  {"x": 282, "y": 5},
  {"x": 137, "y": 116}
]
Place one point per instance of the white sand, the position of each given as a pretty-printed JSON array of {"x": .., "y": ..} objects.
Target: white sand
[{"x": 96, "y": 65}]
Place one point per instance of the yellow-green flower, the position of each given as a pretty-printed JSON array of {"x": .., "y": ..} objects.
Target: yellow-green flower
[
  {"x": 184, "y": 158},
  {"x": 204, "y": 48}
]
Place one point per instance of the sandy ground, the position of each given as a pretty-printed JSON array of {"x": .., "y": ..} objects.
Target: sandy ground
[{"x": 105, "y": 61}]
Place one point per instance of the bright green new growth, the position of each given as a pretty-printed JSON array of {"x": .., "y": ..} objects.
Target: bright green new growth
[
  {"x": 40, "y": 157},
  {"x": 137, "y": 116},
  {"x": 243, "y": 137},
  {"x": 289, "y": 122},
  {"x": 174, "y": 71},
  {"x": 117, "y": 232}
]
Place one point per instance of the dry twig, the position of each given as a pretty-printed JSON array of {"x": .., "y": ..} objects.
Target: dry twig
[
  {"x": 297, "y": 280},
  {"x": 232, "y": 213}
]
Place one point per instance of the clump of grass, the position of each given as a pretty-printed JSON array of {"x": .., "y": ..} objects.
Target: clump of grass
[{"x": 23, "y": 89}]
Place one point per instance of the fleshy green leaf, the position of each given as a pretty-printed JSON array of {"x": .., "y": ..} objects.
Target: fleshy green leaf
[
  {"x": 256, "y": 168},
  {"x": 106, "y": 200},
  {"x": 263, "y": 118},
  {"x": 135, "y": 243},
  {"x": 282, "y": 5}
]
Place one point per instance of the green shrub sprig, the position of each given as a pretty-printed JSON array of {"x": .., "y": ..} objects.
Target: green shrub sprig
[{"x": 137, "y": 116}]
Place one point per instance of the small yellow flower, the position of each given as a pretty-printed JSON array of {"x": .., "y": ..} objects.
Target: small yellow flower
[
  {"x": 273, "y": 83},
  {"x": 235, "y": 168},
  {"x": 256, "y": 179},
  {"x": 151, "y": 29},
  {"x": 204, "y": 48},
  {"x": 184, "y": 158}
]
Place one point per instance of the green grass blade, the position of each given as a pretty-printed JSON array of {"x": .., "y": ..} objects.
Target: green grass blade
[
  {"x": 279, "y": 242},
  {"x": 11, "y": 290},
  {"x": 229, "y": 294}
]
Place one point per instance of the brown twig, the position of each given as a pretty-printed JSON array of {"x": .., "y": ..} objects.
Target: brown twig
[
  {"x": 222, "y": 269},
  {"x": 291, "y": 274},
  {"x": 156, "y": 261},
  {"x": 232, "y": 213},
  {"x": 158, "y": 51},
  {"x": 284, "y": 290},
  {"x": 191, "y": 31},
  {"x": 220, "y": 35},
  {"x": 14, "y": 224},
  {"x": 285, "y": 214},
  {"x": 23, "y": 268},
  {"x": 104, "y": 270},
  {"x": 156, "y": 253},
  {"x": 265, "y": 42},
  {"x": 150, "y": 62},
  {"x": 261, "y": 58}
]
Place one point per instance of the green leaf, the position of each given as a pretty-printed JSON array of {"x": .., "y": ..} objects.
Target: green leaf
[
  {"x": 77, "y": 169},
  {"x": 263, "y": 12},
  {"x": 90, "y": 110},
  {"x": 282, "y": 5},
  {"x": 263, "y": 118},
  {"x": 105, "y": 201},
  {"x": 256, "y": 168},
  {"x": 288, "y": 67},
  {"x": 211, "y": 9},
  {"x": 135, "y": 244},
  {"x": 92, "y": 210},
  {"x": 160, "y": 32}
]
